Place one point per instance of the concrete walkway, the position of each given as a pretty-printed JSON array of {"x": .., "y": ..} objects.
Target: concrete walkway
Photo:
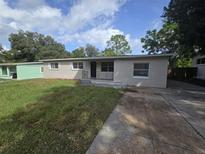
[{"x": 145, "y": 122}]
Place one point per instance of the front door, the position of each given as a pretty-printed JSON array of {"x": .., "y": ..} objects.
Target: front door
[{"x": 93, "y": 69}]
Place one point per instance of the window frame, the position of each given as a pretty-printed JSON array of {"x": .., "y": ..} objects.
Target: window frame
[
  {"x": 200, "y": 61},
  {"x": 50, "y": 66},
  {"x": 141, "y": 69},
  {"x": 41, "y": 69},
  {"x": 78, "y": 65},
  {"x": 203, "y": 61},
  {"x": 109, "y": 67},
  {"x": 6, "y": 70}
]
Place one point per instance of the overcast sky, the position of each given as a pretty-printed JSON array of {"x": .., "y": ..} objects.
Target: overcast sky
[{"x": 77, "y": 22}]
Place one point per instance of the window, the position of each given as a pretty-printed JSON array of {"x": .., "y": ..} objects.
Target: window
[
  {"x": 78, "y": 65},
  {"x": 42, "y": 69},
  {"x": 4, "y": 70},
  {"x": 107, "y": 67},
  {"x": 201, "y": 61},
  {"x": 54, "y": 65},
  {"x": 141, "y": 69}
]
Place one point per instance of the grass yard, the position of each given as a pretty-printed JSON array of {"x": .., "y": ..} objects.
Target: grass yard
[{"x": 52, "y": 116}]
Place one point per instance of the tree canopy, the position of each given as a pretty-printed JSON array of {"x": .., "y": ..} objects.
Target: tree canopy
[
  {"x": 87, "y": 51},
  {"x": 32, "y": 46},
  {"x": 79, "y": 52},
  {"x": 190, "y": 18},
  {"x": 1, "y": 48},
  {"x": 1, "y": 54},
  {"x": 91, "y": 51},
  {"x": 161, "y": 41},
  {"x": 117, "y": 45},
  {"x": 183, "y": 30}
]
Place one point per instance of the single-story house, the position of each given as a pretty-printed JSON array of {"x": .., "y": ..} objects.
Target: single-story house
[
  {"x": 135, "y": 70},
  {"x": 199, "y": 62},
  {"x": 21, "y": 71}
]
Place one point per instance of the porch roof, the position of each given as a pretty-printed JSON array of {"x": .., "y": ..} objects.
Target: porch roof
[{"x": 110, "y": 58}]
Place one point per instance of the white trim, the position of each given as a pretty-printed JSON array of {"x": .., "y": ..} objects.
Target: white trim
[
  {"x": 7, "y": 71},
  {"x": 141, "y": 77},
  {"x": 77, "y": 69},
  {"x": 41, "y": 69},
  {"x": 49, "y": 66},
  {"x": 107, "y": 67},
  {"x": 54, "y": 69}
]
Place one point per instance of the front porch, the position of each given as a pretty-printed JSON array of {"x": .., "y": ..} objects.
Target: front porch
[
  {"x": 98, "y": 70},
  {"x": 103, "y": 83}
]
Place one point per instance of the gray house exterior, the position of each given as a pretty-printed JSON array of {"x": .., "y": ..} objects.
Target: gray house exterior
[
  {"x": 138, "y": 70},
  {"x": 199, "y": 62}
]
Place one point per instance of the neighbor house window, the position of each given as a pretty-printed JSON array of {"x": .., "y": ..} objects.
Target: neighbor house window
[
  {"x": 141, "y": 69},
  {"x": 42, "y": 69},
  {"x": 4, "y": 70},
  {"x": 107, "y": 67},
  {"x": 78, "y": 65},
  {"x": 54, "y": 66},
  {"x": 201, "y": 61}
]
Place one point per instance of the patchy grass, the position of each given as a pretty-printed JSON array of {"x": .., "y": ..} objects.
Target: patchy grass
[
  {"x": 52, "y": 116},
  {"x": 3, "y": 79}
]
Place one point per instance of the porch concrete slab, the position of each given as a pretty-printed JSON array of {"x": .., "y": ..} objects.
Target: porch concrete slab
[
  {"x": 144, "y": 122},
  {"x": 103, "y": 83}
]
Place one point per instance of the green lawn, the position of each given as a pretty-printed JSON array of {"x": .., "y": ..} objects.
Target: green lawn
[{"x": 52, "y": 116}]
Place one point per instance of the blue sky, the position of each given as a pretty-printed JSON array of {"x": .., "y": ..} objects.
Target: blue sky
[{"x": 77, "y": 22}]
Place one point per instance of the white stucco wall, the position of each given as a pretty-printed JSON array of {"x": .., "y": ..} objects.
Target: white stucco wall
[
  {"x": 65, "y": 70},
  {"x": 123, "y": 72},
  {"x": 200, "y": 67},
  {"x": 103, "y": 75}
]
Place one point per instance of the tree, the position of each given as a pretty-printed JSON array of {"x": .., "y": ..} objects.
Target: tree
[
  {"x": 189, "y": 15},
  {"x": 5, "y": 56},
  {"x": 1, "y": 54},
  {"x": 183, "y": 31},
  {"x": 32, "y": 46},
  {"x": 108, "y": 53},
  {"x": 79, "y": 52},
  {"x": 118, "y": 45},
  {"x": 91, "y": 51},
  {"x": 163, "y": 41},
  {"x": 1, "y": 48},
  {"x": 183, "y": 62}
]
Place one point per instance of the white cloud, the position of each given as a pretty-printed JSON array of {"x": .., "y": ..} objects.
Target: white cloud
[
  {"x": 36, "y": 19},
  {"x": 97, "y": 36},
  {"x": 135, "y": 43},
  {"x": 5, "y": 48},
  {"x": 86, "y": 11},
  {"x": 87, "y": 21}
]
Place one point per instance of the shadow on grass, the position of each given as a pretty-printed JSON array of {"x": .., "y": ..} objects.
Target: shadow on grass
[{"x": 64, "y": 121}]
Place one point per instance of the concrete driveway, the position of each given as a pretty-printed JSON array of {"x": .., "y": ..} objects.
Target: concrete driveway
[
  {"x": 150, "y": 120},
  {"x": 189, "y": 100}
]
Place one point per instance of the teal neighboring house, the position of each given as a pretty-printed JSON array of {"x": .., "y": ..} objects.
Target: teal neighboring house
[{"x": 21, "y": 71}]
